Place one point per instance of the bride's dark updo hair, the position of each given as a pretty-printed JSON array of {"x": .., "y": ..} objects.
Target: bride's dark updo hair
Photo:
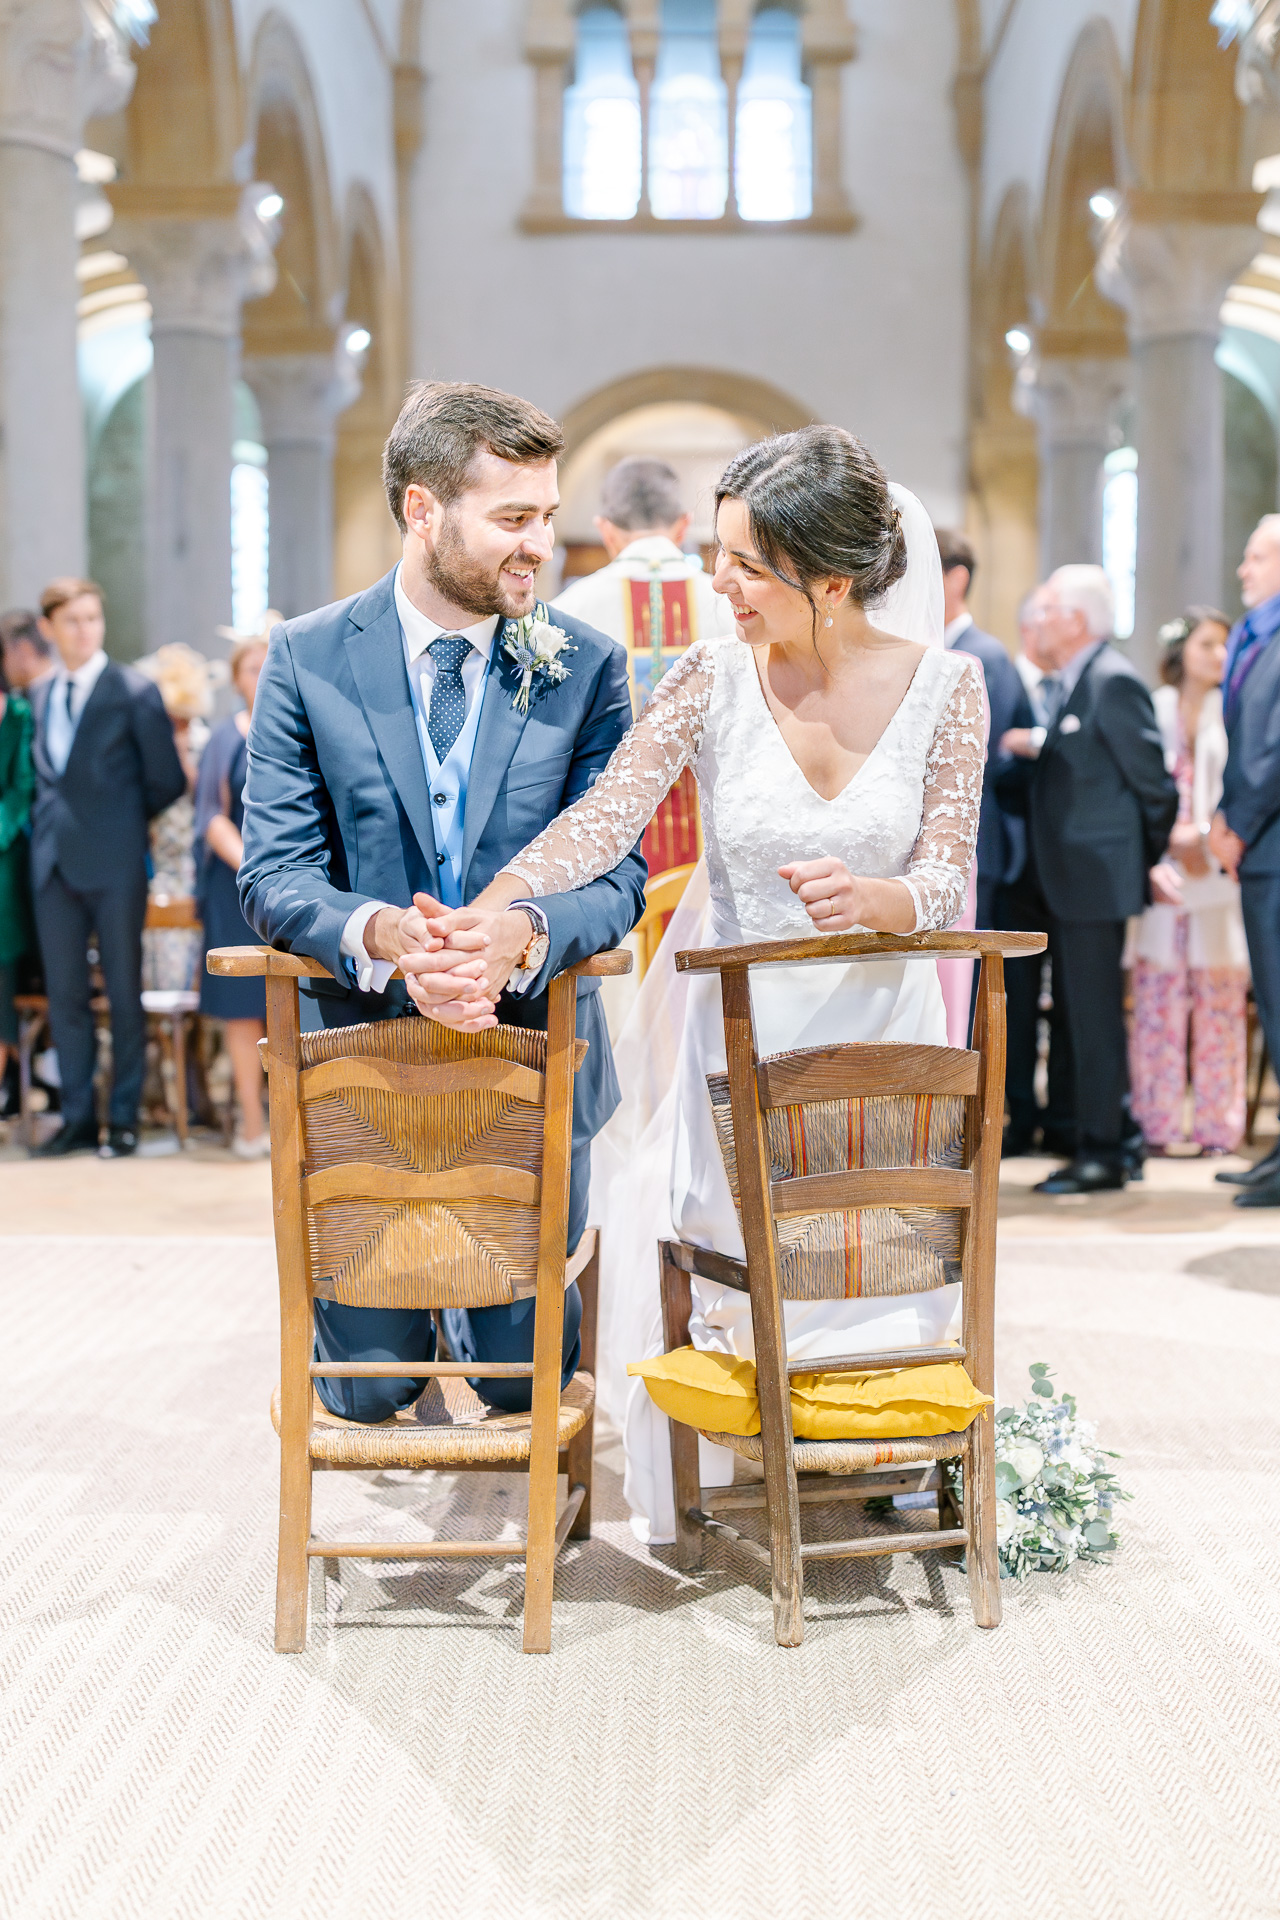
[{"x": 818, "y": 505}]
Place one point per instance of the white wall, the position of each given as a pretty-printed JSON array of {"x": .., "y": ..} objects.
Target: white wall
[{"x": 867, "y": 330}]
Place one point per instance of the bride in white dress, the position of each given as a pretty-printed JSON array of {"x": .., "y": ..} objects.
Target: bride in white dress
[{"x": 839, "y": 763}]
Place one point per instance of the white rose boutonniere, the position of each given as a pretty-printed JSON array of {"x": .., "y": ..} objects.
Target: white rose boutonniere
[{"x": 536, "y": 646}]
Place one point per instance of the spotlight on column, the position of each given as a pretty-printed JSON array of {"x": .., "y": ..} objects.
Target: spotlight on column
[
  {"x": 358, "y": 341},
  {"x": 1103, "y": 205},
  {"x": 271, "y": 206},
  {"x": 1018, "y": 340}
]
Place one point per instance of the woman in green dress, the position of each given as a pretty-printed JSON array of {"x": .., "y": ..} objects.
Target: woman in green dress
[{"x": 17, "y": 785}]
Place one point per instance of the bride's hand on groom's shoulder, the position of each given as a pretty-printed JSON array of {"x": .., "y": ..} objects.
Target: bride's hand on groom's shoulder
[{"x": 829, "y": 892}]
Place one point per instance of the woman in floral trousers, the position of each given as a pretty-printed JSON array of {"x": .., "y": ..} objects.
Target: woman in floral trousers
[{"x": 1190, "y": 963}]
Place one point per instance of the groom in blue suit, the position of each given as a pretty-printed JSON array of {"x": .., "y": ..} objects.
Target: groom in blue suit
[{"x": 394, "y": 767}]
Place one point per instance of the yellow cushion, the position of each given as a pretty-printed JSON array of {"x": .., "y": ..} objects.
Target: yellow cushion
[
  {"x": 714, "y": 1391},
  {"x": 884, "y": 1406}
]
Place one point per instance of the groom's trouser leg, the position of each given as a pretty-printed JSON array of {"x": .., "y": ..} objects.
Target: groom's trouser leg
[{"x": 479, "y": 1334}]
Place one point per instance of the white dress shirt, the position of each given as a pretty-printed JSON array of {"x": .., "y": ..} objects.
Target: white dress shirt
[
  {"x": 59, "y": 723},
  {"x": 446, "y": 783},
  {"x": 954, "y": 628}
]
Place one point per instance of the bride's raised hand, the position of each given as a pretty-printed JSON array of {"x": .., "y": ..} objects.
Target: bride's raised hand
[{"x": 831, "y": 894}]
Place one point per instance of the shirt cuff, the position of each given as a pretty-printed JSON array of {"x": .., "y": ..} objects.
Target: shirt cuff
[
  {"x": 1038, "y": 738},
  {"x": 371, "y": 976},
  {"x": 522, "y": 978}
]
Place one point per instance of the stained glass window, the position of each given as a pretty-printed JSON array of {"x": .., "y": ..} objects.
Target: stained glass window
[
  {"x": 1120, "y": 532},
  {"x": 602, "y": 122},
  {"x": 774, "y": 149},
  {"x": 688, "y": 120}
]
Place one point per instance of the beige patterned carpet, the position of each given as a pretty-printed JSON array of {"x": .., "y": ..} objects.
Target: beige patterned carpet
[{"x": 1113, "y": 1749}]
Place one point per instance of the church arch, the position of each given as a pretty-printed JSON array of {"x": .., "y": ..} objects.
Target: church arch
[
  {"x": 733, "y": 393},
  {"x": 365, "y": 539},
  {"x": 299, "y": 313},
  {"x": 1087, "y": 155},
  {"x": 1187, "y": 132},
  {"x": 186, "y": 116},
  {"x": 1003, "y": 462}
]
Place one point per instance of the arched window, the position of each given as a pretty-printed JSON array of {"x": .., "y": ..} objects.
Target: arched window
[
  {"x": 774, "y": 145},
  {"x": 688, "y": 130},
  {"x": 250, "y": 516},
  {"x": 1120, "y": 532},
  {"x": 602, "y": 122}
]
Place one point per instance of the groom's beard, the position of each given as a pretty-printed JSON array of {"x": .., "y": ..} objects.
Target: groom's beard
[{"x": 467, "y": 582}]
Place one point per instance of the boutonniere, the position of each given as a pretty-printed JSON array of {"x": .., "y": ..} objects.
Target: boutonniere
[{"x": 536, "y": 645}]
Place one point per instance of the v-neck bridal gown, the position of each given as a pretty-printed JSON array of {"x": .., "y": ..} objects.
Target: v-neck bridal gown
[{"x": 909, "y": 812}]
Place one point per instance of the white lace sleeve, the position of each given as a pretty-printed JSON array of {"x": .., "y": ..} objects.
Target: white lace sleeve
[
  {"x": 937, "y": 874},
  {"x": 589, "y": 838}
]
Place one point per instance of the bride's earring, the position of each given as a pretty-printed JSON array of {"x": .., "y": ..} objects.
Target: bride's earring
[{"x": 830, "y": 621}]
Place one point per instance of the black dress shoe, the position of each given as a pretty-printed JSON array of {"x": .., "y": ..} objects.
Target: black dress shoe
[
  {"x": 1267, "y": 1194},
  {"x": 119, "y": 1144},
  {"x": 1260, "y": 1174},
  {"x": 79, "y": 1139},
  {"x": 1084, "y": 1176}
]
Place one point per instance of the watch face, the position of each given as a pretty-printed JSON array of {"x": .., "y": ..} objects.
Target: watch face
[{"x": 536, "y": 952}]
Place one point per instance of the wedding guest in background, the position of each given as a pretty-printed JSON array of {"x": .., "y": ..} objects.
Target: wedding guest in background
[
  {"x": 1190, "y": 964},
  {"x": 241, "y": 1005},
  {"x": 997, "y": 846},
  {"x": 105, "y": 765},
  {"x": 170, "y": 954},
  {"x": 1245, "y": 835},
  {"x": 26, "y": 655},
  {"x": 17, "y": 785},
  {"x": 1021, "y": 907},
  {"x": 1099, "y": 805}
]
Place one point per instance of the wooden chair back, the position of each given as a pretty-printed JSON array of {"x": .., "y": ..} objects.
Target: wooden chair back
[
  {"x": 797, "y": 1134},
  {"x": 415, "y": 1167}
]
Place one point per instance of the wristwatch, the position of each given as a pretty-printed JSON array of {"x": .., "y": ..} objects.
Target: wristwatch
[{"x": 535, "y": 954}]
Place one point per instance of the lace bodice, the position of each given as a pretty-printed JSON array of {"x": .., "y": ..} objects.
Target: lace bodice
[{"x": 910, "y": 812}]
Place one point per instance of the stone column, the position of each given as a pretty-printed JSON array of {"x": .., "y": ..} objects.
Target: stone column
[
  {"x": 300, "y": 396},
  {"x": 56, "y": 69},
  {"x": 1170, "y": 276},
  {"x": 1074, "y": 402},
  {"x": 201, "y": 252}
]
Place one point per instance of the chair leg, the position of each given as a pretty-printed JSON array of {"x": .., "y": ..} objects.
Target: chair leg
[
  {"x": 292, "y": 1565},
  {"x": 540, "y": 1549},
  {"x": 983, "y": 1558},
  {"x": 579, "y": 1462},
  {"x": 782, "y": 1503},
  {"x": 180, "y": 1079},
  {"x": 686, "y": 1475}
]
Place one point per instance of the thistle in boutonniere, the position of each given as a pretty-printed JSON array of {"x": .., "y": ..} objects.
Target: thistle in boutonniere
[{"x": 536, "y": 645}]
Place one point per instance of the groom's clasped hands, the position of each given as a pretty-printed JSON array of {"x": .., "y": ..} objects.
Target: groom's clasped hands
[{"x": 455, "y": 960}]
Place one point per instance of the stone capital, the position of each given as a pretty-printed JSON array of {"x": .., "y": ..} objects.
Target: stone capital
[
  {"x": 300, "y": 395},
  {"x": 201, "y": 266},
  {"x": 61, "y": 62},
  {"x": 1073, "y": 399},
  {"x": 1258, "y": 61},
  {"x": 1171, "y": 276}
]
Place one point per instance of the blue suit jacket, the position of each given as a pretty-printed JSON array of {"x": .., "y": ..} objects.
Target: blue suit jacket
[
  {"x": 1251, "y": 780},
  {"x": 1001, "y": 849},
  {"x": 338, "y": 813}
]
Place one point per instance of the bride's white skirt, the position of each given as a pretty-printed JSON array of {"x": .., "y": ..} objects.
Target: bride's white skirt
[{"x": 657, "y": 1174}]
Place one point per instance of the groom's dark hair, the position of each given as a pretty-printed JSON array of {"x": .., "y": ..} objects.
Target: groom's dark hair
[{"x": 443, "y": 424}]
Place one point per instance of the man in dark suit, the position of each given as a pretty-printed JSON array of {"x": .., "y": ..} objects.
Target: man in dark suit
[
  {"x": 106, "y": 764},
  {"x": 1100, "y": 805},
  {"x": 1245, "y": 834},
  {"x": 998, "y": 834},
  {"x": 396, "y": 763}
]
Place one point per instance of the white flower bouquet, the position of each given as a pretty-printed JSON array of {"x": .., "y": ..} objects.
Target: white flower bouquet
[{"x": 1056, "y": 1492}]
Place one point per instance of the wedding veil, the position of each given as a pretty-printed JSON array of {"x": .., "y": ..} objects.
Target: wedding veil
[{"x": 913, "y": 606}]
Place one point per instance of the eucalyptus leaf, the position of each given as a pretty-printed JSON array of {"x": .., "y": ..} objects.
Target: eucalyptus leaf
[
  {"x": 1043, "y": 1388},
  {"x": 1038, "y": 1370},
  {"x": 1007, "y": 1480},
  {"x": 1098, "y": 1536}
]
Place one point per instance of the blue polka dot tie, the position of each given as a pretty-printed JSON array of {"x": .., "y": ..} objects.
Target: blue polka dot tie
[{"x": 448, "y": 696}]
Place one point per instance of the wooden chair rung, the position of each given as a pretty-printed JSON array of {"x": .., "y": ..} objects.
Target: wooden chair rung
[
  {"x": 366, "y": 1180},
  {"x": 886, "y": 1543},
  {"x": 415, "y": 1549},
  {"x": 862, "y": 1072},
  {"x": 724, "y": 1531},
  {"x": 873, "y": 1187},
  {"x": 889, "y": 1361},
  {"x": 820, "y": 1489},
  {"x": 420, "y": 1370}
]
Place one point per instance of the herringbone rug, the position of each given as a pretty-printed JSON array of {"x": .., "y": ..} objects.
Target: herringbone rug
[{"x": 1112, "y": 1750}]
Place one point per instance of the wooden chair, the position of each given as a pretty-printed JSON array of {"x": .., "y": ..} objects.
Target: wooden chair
[
  {"x": 821, "y": 1184},
  {"x": 415, "y": 1167},
  {"x": 661, "y": 898},
  {"x": 171, "y": 1008}
]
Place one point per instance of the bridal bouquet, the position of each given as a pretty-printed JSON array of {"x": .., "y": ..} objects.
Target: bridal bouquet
[{"x": 1056, "y": 1492}]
